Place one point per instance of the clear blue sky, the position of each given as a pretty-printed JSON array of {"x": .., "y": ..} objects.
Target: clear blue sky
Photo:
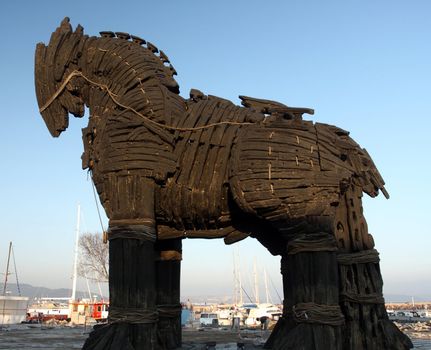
[{"x": 364, "y": 66}]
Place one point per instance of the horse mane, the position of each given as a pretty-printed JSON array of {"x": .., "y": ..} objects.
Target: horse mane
[
  {"x": 142, "y": 58},
  {"x": 143, "y": 43}
]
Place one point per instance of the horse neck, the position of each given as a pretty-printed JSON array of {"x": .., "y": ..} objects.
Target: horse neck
[{"x": 126, "y": 74}]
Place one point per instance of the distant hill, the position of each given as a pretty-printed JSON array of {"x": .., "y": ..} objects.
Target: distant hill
[
  {"x": 32, "y": 292},
  {"x": 43, "y": 292},
  {"x": 399, "y": 298}
]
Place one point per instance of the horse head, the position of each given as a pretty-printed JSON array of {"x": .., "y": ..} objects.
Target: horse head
[
  {"x": 56, "y": 96},
  {"x": 74, "y": 70}
]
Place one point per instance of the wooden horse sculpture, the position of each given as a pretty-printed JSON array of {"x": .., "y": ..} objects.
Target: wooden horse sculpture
[{"x": 168, "y": 168}]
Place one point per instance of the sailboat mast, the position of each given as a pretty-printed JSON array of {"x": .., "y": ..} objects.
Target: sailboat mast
[
  {"x": 100, "y": 290},
  {"x": 241, "y": 296},
  {"x": 256, "y": 286},
  {"x": 88, "y": 288},
  {"x": 16, "y": 272},
  {"x": 7, "y": 269},
  {"x": 266, "y": 286},
  {"x": 75, "y": 263},
  {"x": 235, "y": 282}
]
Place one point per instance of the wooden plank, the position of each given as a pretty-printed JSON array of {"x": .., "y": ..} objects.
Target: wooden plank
[
  {"x": 219, "y": 233},
  {"x": 235, "y": 237},
  {"x": 268, "y": 152},
  {"x": 223, "y": 113},
  {"x": 294, "y": 164},
  {"x": 200, "y": 161},
  {"x": 181, "y": 148},
  {"x": 187, "y": 158},
  {"x": 41, "y": 75}
]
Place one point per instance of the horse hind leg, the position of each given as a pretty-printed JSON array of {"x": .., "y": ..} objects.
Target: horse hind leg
[
  {"x": 333, "y": 285},
  {"x": 361, "y": 295},
  {"x": 312, "y": 318},
  {"x": 304, "y": 237}
]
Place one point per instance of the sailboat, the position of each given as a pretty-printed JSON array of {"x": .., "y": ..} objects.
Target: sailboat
[
  {"x": 258, "y": 310},
  {"x": 84, "y": 310},
  {"x": 71, "y": 308},
  {"x": 63, "y": 308},
  {"x": 13, "y": 309}
]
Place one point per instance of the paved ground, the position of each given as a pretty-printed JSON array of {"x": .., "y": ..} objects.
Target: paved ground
[
  {"x": 67, "y": 338},
  {"x": 422, "y": 344},
  {"x": 225, "y": 339},
  {"x": 25, "y": 337},
  {"x": 420, "y": 340}
]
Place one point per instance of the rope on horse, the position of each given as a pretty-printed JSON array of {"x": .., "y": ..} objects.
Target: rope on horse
[
  {"x": 362, "y": 257},
  {"x": 113, "y": 97},
  {"x": 133, "y": 316},
  {"x": 318, "y": 313},
  {"x": 169, "y": 310},
  {"x": 140, "y": 232},
  {"x": 316, "y": 242},
  {"x": 372, "y": 298}
]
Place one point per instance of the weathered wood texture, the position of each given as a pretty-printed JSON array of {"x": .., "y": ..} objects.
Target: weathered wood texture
[
  {"x": 291, "y": 169},
  {"x": 132, "y": 266},
  {"x": 361, "y": 285},
  {"x": 201, "y": 184},
  {"x": 132, "y": 292},
  {"x": 168, "y": 168},
  {"x": 168, "y": 274},
  {"x": 310, "y": 278}
]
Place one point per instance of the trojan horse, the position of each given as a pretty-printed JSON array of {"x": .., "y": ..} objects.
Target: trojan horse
[{"x": 168, "y": 168}]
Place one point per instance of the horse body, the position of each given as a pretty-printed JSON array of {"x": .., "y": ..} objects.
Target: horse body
[
  {"x": 168, "y": 168},
  {"x": 279, "y": 171}
]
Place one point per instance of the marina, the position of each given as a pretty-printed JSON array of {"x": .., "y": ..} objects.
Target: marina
[
  {"x": 207, "y": 326},
  {"x": 26, "y": 337}
]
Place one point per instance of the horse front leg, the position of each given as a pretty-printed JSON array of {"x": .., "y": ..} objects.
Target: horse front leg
[{"x": 133, "y": 316}]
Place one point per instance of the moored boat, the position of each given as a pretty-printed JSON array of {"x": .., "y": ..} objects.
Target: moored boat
[
  {"x": 87, "y": 311},
  {"x": 47, "y": 310},
  {"x": 13, "y": 309},
  {"x": 265, "y": 310}
]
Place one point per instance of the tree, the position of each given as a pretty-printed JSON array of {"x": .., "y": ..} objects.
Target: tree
[{"x": 94, "y": 257}]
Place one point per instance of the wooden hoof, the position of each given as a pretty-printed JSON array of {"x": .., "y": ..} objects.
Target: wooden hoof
[
  {"x": 304, "y": 336},
  {"x": 394, "y": 339},
  {"x": 287, "y": 336},
  {"x": 169, "y": 333},
  {"x": 122, "y": 336}
]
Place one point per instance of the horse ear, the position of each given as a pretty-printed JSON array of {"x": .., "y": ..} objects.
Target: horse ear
[
  {"x": 65, "y": 25},
  {"x": 79, "y": 30}
]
